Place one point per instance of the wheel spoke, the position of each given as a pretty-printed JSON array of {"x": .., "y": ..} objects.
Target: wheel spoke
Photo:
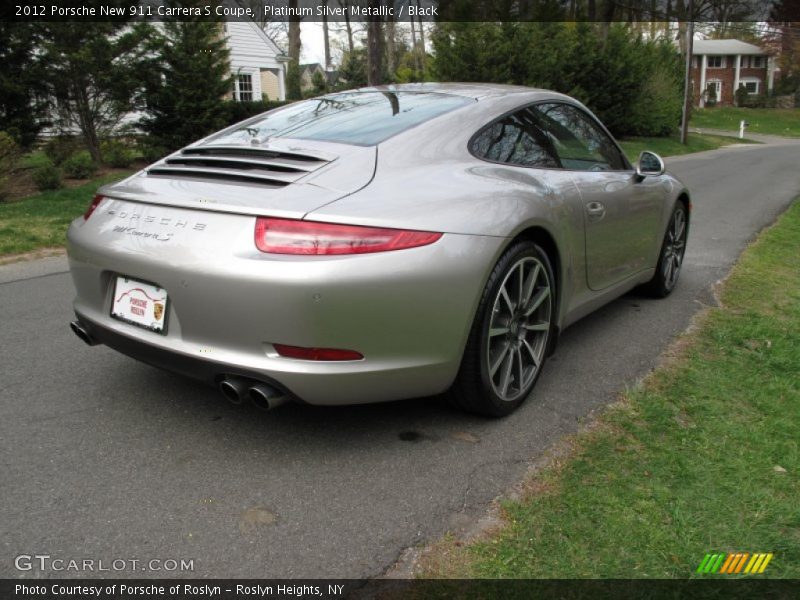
[
  {"x": 520, "y": 369},
  {"x": 521, "y": 283},
  {"x": 499, "y": 361},
  {"x": 676, "y": 263},
  {"x": 529, "y": 348},
  {"x": 504, "y": 294},
  {"x": 668, "y": 268},
  {"x": 540, "y": 297},
  {"x": 506, "y": 377},
  {"x": 680, "y": 226},
  {"x": 495, "y": 331},
  {"x": 540, "y": 326},
  {"x": 530, "y": 284}
]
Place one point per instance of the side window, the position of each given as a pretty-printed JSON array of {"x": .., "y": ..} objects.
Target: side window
[
  {"x": 580, "y": 143},
  {"x": 516, "y": 139}
]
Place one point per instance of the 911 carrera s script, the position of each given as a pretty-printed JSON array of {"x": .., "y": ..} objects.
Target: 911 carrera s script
[{"x": 161, "y": 237}]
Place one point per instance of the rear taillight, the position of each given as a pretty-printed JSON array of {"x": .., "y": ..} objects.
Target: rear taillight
[
  {"x": 316, "y": 353},
  {"x": 95, "y": 203},
  {"x": 286, "y": 236}
]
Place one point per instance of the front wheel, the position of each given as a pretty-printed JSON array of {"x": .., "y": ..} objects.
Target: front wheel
[
  {"x": 671, "y": 258},
  {"x": 507, "y": 346}
]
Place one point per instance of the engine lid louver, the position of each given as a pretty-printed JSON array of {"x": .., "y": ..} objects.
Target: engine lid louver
[{"x": 270, "y": 168}]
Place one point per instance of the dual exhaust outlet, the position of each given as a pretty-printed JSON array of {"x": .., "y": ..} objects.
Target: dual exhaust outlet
[{"x": 236, "y": 390}]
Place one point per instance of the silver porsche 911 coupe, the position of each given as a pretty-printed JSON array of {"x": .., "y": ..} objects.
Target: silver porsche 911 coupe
[{"x": 377, "y": 244}]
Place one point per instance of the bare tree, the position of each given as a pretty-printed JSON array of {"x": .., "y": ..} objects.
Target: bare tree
[
  {"x": 414, "y": 46},
  {"x": 374, "y": 49},
  {"x": 326, "y": 36},
  {"x": 276, "y": 29},
  {"x": 391, "y": 45},
  {"x": 348, "y": 27},
  {"x": 293, "y": 76},
  {"x": 421, "y": 35}
]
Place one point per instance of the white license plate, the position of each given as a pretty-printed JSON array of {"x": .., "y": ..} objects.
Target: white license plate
[{"x": 140, "y": 303}]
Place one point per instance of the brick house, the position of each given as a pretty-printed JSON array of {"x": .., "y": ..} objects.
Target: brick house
[{"x": 727, "y": 64}]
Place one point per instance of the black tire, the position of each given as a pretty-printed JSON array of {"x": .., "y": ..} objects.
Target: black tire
[
  {"x": 670, "y": 259},
  {"x": 480, "y": 391}
]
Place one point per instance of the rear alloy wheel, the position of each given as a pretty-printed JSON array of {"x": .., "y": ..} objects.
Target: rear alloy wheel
[
  {"x": 671, "y": 258},
  {"x": 508, "y": 344}
]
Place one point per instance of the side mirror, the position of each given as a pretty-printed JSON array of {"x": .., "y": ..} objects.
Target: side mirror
[{"x": 649, "y": 164}]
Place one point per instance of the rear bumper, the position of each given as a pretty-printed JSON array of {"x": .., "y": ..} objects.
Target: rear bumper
[
  {"x": 408, "y": 312},
  {"x": 207, "y": 371}
]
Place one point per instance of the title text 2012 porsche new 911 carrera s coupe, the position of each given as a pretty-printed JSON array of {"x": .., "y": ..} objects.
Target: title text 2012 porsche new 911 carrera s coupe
[{"x": 378, "y": 244}]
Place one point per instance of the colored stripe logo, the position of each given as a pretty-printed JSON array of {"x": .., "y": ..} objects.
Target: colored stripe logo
[{"x": 736, "y": 562}]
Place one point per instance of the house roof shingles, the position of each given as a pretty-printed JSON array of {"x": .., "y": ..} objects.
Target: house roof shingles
[{"x": 722, "y": 47}]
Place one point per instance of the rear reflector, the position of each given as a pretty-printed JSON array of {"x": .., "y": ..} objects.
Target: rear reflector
[
  {"x": 286, "y": 236},
  {"x": 95, "y": 203},
  {"x": 317, "y": 353}
]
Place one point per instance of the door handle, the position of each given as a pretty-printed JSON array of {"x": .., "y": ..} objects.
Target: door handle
[{"x": 595, "y": 210}]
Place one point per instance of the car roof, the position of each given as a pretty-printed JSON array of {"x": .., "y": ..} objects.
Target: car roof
[{"x": 476, "y": 91}]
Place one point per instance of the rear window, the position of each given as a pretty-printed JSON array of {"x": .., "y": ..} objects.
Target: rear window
[{"x": 361, "y": 118}]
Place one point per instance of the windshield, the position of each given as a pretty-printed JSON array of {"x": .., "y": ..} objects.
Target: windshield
[{"x": 361, "y": 118}]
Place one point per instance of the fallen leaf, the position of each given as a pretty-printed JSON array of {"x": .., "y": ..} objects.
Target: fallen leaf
[
  {"x": 255, "y": 517},
  {"x": 466, "y": 437}
]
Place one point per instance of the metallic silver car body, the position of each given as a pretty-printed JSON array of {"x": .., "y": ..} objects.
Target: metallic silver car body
[{"x": 409, "y": 311}]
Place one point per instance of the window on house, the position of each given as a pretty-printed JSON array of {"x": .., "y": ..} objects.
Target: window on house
[
  {"x": 716, "y": 62},
  {"x": 751, "y": 85},
  {"x": 757, "y": 62},
  {"x": 244, "y": 87},
  {"x": 716, "y": 86}
]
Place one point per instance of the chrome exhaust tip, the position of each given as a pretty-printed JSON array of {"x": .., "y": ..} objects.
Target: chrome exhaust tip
[
  {"x": 81, "y": 332},
  {"x": 266, "y": 397},
  {"x": 234, "y": 390}
]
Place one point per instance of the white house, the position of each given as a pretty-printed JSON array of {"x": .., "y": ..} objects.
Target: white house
[{"x": 257, "y": 64}]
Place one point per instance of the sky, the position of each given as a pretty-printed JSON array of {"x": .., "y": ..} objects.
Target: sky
[{"x": 313, "y": 49}]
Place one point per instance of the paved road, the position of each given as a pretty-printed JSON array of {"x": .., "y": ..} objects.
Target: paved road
[{"x": 105, "y": 458}]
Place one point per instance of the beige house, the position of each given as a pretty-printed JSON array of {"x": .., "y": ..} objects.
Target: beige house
[{"x": 307, "y": 72}]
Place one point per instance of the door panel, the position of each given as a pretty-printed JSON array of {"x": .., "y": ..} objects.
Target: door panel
[
  {"x": 620, "y": 215},
  {"x": 621, "y": 219}
]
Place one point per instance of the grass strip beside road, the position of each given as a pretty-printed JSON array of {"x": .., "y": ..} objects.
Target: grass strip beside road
[
  {"x": 41, "y": 221},
  {"x": 671, "y": 146},
  {"x": 769, "y": 121},
  {"x": 704, "y": 457}
]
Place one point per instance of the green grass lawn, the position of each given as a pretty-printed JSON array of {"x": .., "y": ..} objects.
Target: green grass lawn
[
  {"x": 34, "y": 159},
  {"x": 704, "y": 457},
  {"x": 771, "y": 121},
  {"x": 671, "y": 146},
  {"x": 41, "y": 221}
]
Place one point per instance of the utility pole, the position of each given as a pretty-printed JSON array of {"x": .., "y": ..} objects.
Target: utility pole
[{"x": 687, "y": 83}]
